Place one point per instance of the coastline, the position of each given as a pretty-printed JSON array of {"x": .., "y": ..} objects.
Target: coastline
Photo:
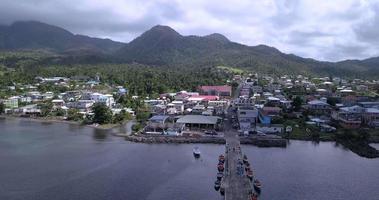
[
  {"x": 50, "y": 120},
  {"x": 158, "y": 139}
]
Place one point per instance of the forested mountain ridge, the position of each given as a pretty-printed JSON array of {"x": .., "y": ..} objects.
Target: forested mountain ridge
[
  {"x": 36, "y": 35},
  {"x": 163, "y": 46}
]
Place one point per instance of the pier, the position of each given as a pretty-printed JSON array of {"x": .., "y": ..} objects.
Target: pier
[{"x": 235, "y": 182}]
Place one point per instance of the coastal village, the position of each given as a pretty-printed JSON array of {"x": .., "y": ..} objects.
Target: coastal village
[{"x": 297, "y": 107}]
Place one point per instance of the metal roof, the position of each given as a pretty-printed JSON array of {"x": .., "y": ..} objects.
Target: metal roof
[{"x": 198, "y": 119}]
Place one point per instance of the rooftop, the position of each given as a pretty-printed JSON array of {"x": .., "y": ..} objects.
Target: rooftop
[{"x": 198, "y": 119}]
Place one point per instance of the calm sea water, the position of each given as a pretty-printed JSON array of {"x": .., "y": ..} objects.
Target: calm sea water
[{"x": 44, "y": 161}]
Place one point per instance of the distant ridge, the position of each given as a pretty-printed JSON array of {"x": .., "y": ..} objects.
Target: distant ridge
[{"x": 162, "y": 45}]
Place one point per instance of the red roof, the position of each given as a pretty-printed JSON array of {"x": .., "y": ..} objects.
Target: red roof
[
  {"x": 219, "y": 88},
  {"x": 206, "y": 97}
]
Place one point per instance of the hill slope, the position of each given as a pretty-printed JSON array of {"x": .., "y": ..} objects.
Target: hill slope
[
  {"x": 162, "y": 45},
  {"x": 37, "y": 35}
]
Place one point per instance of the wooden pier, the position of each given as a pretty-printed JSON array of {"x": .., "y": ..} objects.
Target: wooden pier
[{"x": 236, "y": 184}]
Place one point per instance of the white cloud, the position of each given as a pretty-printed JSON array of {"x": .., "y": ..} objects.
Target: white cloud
[{"x": 325, "y": 30}]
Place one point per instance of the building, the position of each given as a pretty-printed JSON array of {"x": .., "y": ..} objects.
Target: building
[
  {"x": 11, "y": 103},
  {"x": 221, "y": 90},
  {"x": 247, "y": 118},
  {"x": 199, "y": 122},
  {"x": 319, "y": 107},
  {"x": 349, "y": 117}
]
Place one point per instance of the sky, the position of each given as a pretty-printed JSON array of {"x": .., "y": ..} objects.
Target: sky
[{"x": 330, "y": 30}]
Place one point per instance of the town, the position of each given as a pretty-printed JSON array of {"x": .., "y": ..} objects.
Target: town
[{"x": 292, "y": 107}]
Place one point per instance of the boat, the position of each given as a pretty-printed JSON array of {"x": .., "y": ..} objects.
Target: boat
[
  {"x": 222, "y": 191},
  {"x": 254, "y": 196},
  {"x": 220, "y": 167},
  {"x": 220, "y": 175},
  {"x": 221, "y": 158},
  {"x": 245, "y": 159},
  {"x": 196, "y": 152},
  {"x": 250, "y": 174},
  {"x": 217, "y": 185},
  {"x": 257, "y": 185}
]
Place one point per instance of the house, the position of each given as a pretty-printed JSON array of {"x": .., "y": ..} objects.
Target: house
[
  {"x": 157, "y": 124},
  {"x": 107, "y": 99},
  {"x": 271, "y": 111},
  {"x": 318, "y": 107},
  {"x": 221, "y": 90},
  {"x": 371, "y": 117},
  {"x": 58, "y": 103},
  {"x": 349, "y": 117},
  {"x": 11, "y": 102},
  {"x": 247, "y": 118},
  {"x": 270, "y": 129},
  {"x": 81, "y": 104}
]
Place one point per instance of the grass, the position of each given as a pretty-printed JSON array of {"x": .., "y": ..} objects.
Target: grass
[{"x": 232, "y": 69}]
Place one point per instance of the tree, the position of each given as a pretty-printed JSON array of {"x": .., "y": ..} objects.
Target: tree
[
  {"x": 74, "y": 115},
  {"x": 102, "y": 114},
  {"x": 297, "y": 102},
  {"x": 331, "y": 101},
  {"x": 120, "y": 117},
  {"x": 142, "y": 116},
  {"x": 2, "y": 107},
  {"x": 45, "y": 108}
]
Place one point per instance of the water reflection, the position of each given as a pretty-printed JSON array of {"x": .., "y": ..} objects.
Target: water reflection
[{"x": 100, "y": 134}]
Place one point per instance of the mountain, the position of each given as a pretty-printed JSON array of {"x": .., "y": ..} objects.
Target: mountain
[
  {"x": 37, "y": 35},
  {"x": 162, "y": 45}
]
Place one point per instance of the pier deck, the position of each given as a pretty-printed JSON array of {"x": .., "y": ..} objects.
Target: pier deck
[{"x": 237, "y": 185}]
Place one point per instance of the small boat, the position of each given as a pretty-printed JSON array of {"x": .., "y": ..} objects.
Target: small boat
[
  {"x": 196, "y": 152},
  {"x": 222, "y": 191},
  {"x": 257, "y": 185},
  {"x": 245, "y": 159},
  {"x": 220, "y": 175},
  {"x": 221, "y": 158},
  {"x": 250, "y": 174},
  {"x": 220, "y": 168},
  {"x": 254, "y": 196},
  {"x": 217, "y": 185}
]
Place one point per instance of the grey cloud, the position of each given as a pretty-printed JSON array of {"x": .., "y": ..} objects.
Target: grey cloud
[
  {"x": 368, "y": 31},
  {"x": 306, "y": 38}
]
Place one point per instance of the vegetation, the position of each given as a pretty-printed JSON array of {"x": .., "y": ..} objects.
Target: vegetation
[
  {"x": 74, "y": 115},
  {"x": 296, "y": 103},
  {"x": 102, "y": 114},
  {"x": 2, "y": 107}
]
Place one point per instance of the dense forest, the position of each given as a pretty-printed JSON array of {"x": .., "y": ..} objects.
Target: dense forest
[{"x": 139, "y": 79}]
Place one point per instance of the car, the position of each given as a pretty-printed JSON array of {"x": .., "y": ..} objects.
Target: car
[{"x": 210, "y": 132}]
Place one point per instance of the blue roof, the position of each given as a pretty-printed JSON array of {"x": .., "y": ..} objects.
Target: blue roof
[{"x": 158, "y": 118}]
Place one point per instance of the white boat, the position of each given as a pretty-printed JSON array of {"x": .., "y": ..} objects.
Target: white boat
[{"x": 196, "y": 152}]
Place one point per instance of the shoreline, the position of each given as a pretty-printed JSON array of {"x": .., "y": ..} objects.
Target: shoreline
[
  {"x": 364, "y": 151},
  {"x": 47, "y": 120},
  {"x": 159, "y": 139}
]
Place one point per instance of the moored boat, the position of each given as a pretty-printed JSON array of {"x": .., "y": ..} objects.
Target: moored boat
[
  {"x": 245, "y": 159},
  {"x": 257, "y": 185},
  {"x": 220, "y": 175},
  {"x": 220, "y": 167},
  {"x": 250, "y": 174},
  {"x": 221, "y": 158},
  {"x": 217, "y": 185},
  {"x": 254, "y": 196},
  {"x": 222, "y": 191},
  {"x": 196, "y": 152}
]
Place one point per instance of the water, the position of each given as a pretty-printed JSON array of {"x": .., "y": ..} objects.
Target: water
[{"x": 44, "y": 161}]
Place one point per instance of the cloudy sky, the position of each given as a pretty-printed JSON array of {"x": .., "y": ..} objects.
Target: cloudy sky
[{"x": 322, "y": 29}]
